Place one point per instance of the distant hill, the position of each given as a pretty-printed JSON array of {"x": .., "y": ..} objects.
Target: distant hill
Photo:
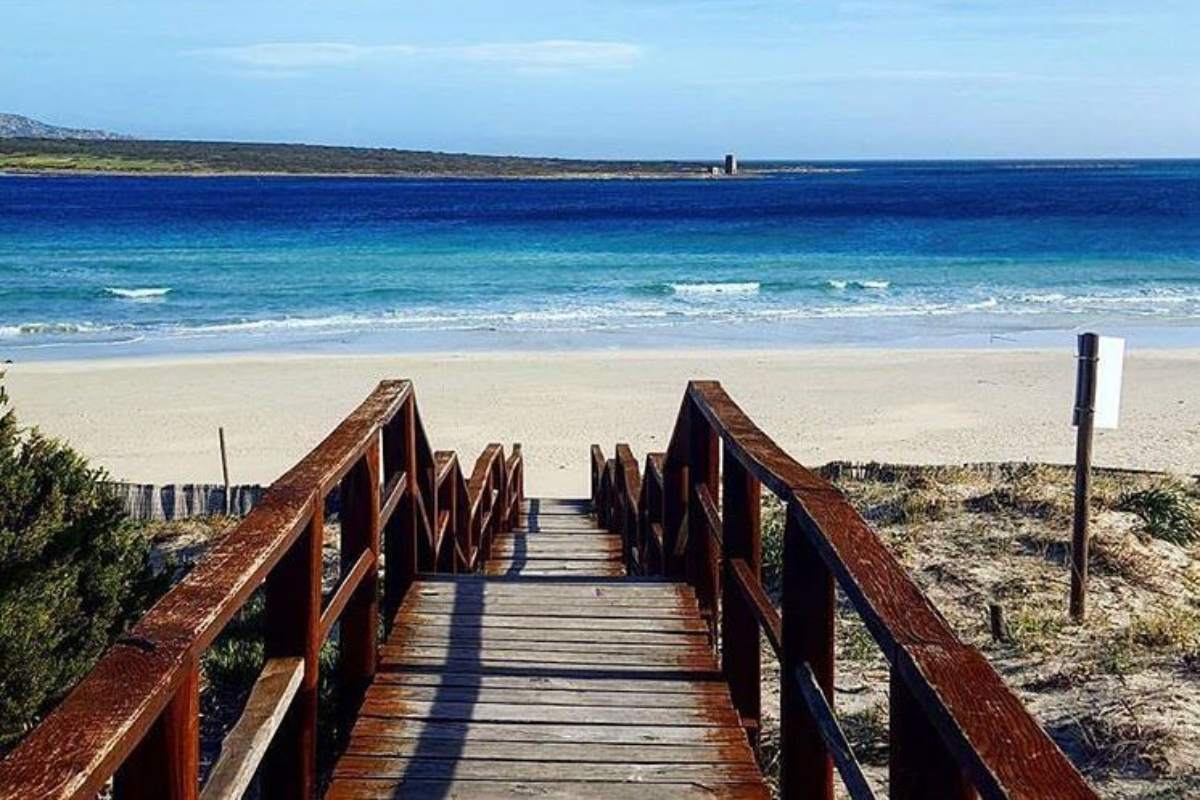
[
  {"x": 149, "y": 157},
  {"x": 15, "y": 126}
]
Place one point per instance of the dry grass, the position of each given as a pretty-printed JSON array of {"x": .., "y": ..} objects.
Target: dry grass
[{"x": 1121, "y": 693}]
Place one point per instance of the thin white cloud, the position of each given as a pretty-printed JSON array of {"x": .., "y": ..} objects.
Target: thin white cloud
[
  {"x": 542, "y": 55},
  {"x": 550, "y": 54}
]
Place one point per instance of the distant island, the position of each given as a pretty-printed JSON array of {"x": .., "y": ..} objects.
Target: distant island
[{"x": 31, "y": 147}]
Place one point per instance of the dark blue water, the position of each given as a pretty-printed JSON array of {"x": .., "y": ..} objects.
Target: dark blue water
[{"x": 847, "y": 253}]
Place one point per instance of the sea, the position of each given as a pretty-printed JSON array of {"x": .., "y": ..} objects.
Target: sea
[{"x": 895, "y": 254}]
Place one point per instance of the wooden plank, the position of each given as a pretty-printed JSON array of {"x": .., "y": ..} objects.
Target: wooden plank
[
  {"x": 547, "y": 752},
  {"x": 379, "y": 705},
  {"x": 558, "y": 665},
  {"x": 393, "y": 693},
  {"x": 393, "y": 494},
  {"x": 759, "y": 604},
  {"x": 596, "y": 566},
  {"x": 597, "y": 587},
  {"x": 519, "y": 682},
  {"x": 366, "y": 789},
  {"x": 557, "y": 548},
  {"x": 535, "y": 635},
  {"x": 351, "y": 766},
  {"x": 619, "y": 656},
  {"x": 467, "y": 644},
  {"x": 558, "y": 538},
  {"x": 345, "y": 590},
  {"x": 598, "y": 607},
  {"x": 548, "y": 568},
  {"x": 835, "y": 740},
  {"x": 246, "y": 743},
  {"x": 549, "y": 620},
  {"x": 466, "y": 732}
]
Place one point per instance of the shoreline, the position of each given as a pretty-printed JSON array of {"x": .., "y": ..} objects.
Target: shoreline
[
  {"x": 841, "y": 335},
  {"x": 154, "y": 420}
]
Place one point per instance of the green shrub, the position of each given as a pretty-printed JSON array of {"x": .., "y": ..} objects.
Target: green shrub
[
  {"x": 1167, "y": 510},
  {"x": 73, "y": 572},
  {"x": 774, "y": 520}
]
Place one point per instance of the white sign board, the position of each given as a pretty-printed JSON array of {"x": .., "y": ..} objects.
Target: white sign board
[
  {"x": 1110, "y": 357},
  {"x": 1108, "y": 381}
]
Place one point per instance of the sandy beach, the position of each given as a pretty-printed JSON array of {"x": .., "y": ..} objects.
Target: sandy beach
[{"x": 156, "y": 421}]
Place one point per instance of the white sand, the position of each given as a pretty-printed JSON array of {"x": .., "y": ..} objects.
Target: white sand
[{"x": 156, "y": 421}]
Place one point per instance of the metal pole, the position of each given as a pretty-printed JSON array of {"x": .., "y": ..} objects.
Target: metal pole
[
  {"x": 225, "y": 472},
  {"x": 1085, "y": 412}
]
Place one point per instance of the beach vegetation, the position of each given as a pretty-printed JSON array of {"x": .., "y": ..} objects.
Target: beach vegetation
[
  {"x": 1114, "y": 692},
  {"x": 1168, "y": 511},
  {"x": 74, "y": 572},
  {"x": 85, "y": 162}
]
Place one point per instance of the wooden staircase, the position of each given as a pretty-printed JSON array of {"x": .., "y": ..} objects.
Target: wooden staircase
[{"x": 552, "y": 676}]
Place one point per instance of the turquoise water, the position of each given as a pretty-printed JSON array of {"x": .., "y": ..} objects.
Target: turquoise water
[{"x": 857, "y": 254}]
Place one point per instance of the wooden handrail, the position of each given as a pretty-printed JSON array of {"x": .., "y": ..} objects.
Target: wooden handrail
[
  {"x": 135, "y": 715},
  {"x": 957, "y": 728}
]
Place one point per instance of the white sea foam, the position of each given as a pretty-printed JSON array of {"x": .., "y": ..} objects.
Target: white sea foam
[
  {"x": 838, "y": 283},
  {"x": 140, "y": 293},
  {"x": 742, "y": 287},
  {"x": 51, "y": 328}
]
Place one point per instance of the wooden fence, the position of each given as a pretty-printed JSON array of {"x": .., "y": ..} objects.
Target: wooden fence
[
  {"x": 956, "y": 729},
  {"x": 149, "y": 502},
  {"x": 135, "y": 716}
]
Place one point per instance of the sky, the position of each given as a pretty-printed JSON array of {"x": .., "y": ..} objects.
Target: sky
[{"x": 821, "y": 79}]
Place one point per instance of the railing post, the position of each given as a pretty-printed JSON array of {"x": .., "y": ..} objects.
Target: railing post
[
  {"x": 400, "y": 538},
  {"x": 519, "y": 492},
  {"x": 293, "y": 628},
  {"x": 166, "y": 763},
  {"x": 741, "y": 507},
  {"x": 502, "y": 478},
  {"x": 919, "y": 764},
  {"x": 702, "y": 554},
  {"x": 359, "y": 625},
  {"x": 806, "y": 769}
]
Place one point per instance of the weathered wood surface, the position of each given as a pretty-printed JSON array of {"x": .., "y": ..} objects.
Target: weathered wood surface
[
  {"x": 964, "y": 730},
  {"x": 555, "y": 538},
  {"x": 563, "y": 678},
  {"x": 246, "y": 744}
]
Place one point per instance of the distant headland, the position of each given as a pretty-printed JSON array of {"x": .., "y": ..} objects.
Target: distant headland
[{"x": 31, "y": 147}]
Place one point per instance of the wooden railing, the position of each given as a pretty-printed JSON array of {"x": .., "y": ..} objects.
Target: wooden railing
[
  {"x": 135, "y": 716},
  {"x": 956, "y": 729}
]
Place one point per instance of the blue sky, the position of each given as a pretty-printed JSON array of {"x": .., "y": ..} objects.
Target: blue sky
[{"x": 623, "y": 78}]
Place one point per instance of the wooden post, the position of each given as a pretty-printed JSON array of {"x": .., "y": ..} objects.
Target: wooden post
[
  {"x": 998, "y": 625},
  {"x": 806, "y": 768},
  {"x": 400, "y": 537},
  {"x": 702, "y": 555},
  {"x": 676, "y": 490},
  {"x": 293, "y": 628},
  {"x": 359, "y": 625},
  {"x": 225, "y": 473},
  {"x": 166, "y": 763},
  {"x": 741, "y": 502},
  {"x": 519, "y": 493},
  {"x": 1085, "y": 412},
  {"x": 919, "y": 763}
]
